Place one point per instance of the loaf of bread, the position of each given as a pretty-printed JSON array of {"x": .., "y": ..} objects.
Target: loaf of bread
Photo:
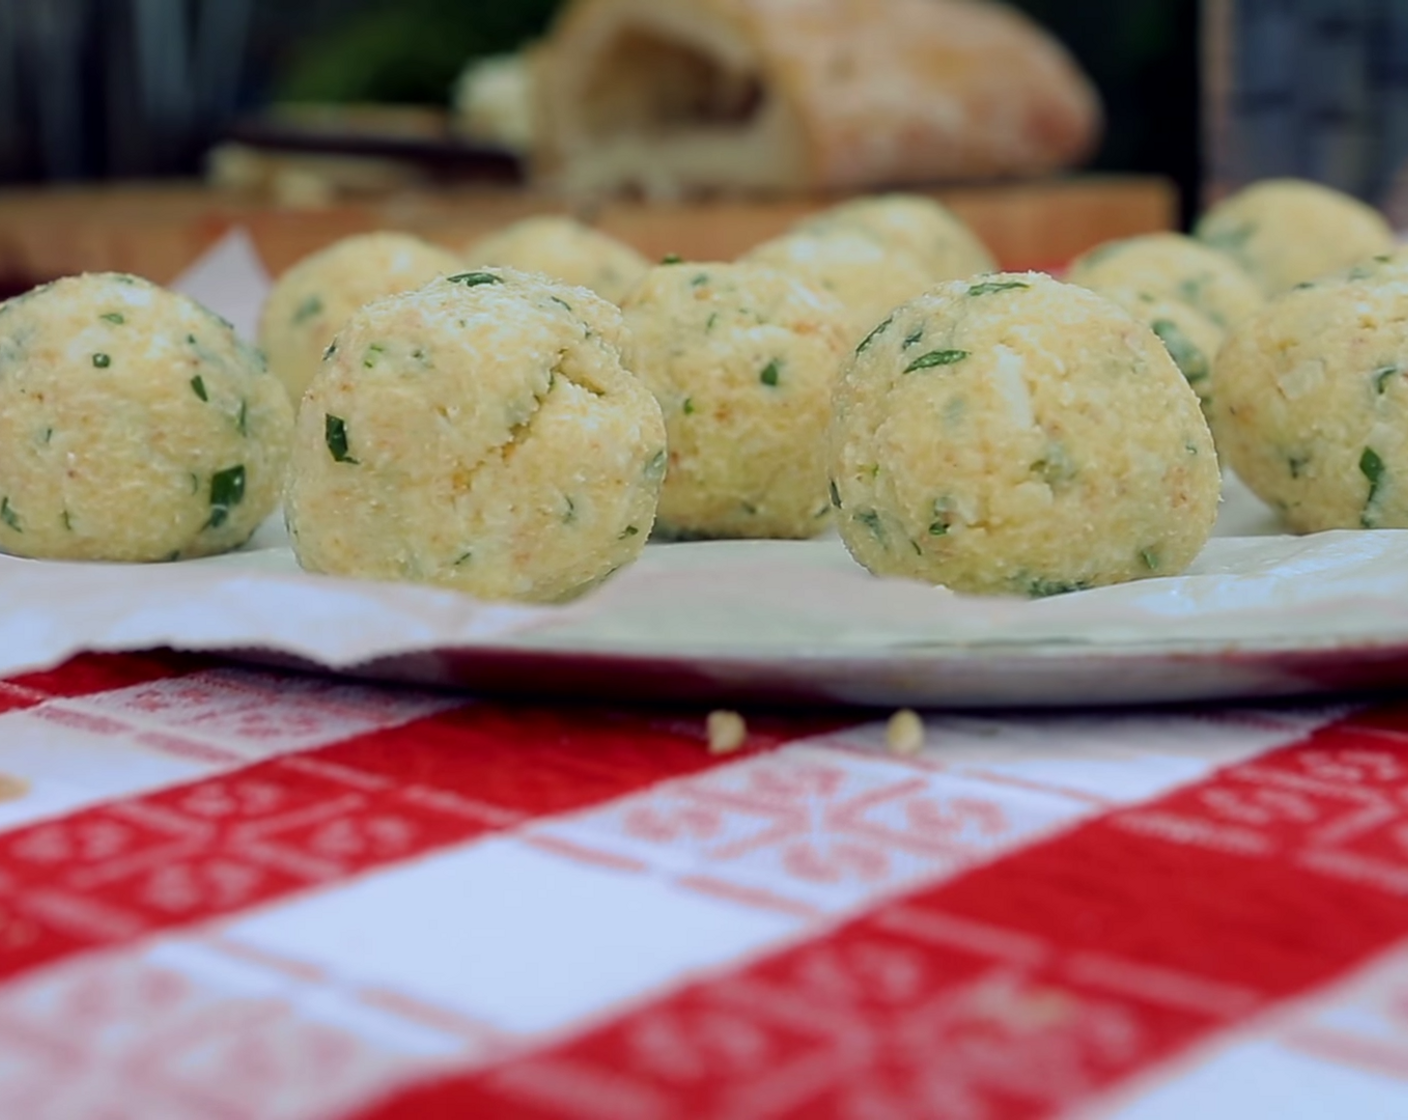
[{"x": 677, "y": 96}]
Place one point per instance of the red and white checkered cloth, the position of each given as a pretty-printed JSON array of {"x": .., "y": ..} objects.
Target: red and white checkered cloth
[{"x": 227, "y": 893}]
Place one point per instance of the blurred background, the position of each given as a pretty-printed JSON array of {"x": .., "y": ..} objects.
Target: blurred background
[
  {"x": 1210, "y": 93},
  {"x": 93, "y": 89},
  {"x": 290, "y": 107}
]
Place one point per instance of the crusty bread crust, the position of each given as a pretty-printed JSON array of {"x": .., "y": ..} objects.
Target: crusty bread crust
[{"x": 856, "y": 93}]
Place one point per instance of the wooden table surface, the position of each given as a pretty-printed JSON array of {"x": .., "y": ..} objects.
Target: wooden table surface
[{"x": 156, "y": 230}]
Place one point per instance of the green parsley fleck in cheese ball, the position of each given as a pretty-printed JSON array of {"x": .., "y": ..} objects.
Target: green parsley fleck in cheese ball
[
  {"x": 867, "y": 279},
  {"x": 743, "y": 360},
  {"x": 481, "y": 434},
  {"x": 1017, "y": 435},
  {"x": 1310, "y": 404},
  {"x": 1287, "y": 231},
  {"x": 1191, "y": 338},
  {"x": 134, "y": 425},
  {"x": 564, "y": 250},
  {"x": 312, "y": 300},
  {"x": 911, "y": 225},
  {"x": 1172, "y": 266}
]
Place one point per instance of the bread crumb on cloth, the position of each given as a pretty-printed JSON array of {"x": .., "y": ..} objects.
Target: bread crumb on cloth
[
  {"x": 727, "y": 732},
  {"x": 904, "y": 734}
]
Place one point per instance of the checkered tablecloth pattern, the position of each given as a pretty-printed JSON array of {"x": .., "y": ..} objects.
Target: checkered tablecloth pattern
[{"x": 229, "y": 893}]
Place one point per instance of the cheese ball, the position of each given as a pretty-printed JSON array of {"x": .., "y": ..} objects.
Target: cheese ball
[
  {"x": 1310, "y": 405},
  {"x": 914, "y": 226},
  {"x": 480, "y": 434},
  {"x": 742, "y": 359},
  {"x": 311, "y": 301},
  {"x": 1284, "y": 232},
  {"x": 865, "y": 278},
  {"x": 1171, "y": 266},
  {"x": 134, "y": 425},
  {"x": 1191, "y": 339},
  {"x": 1016, "y": 435},
  {"x": 564, "y": 250}
]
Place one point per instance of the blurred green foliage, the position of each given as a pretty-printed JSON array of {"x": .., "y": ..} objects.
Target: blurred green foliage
[{"x": 406, "y": 50}]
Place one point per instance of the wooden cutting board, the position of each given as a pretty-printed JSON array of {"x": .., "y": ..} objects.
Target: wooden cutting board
[{"x": 156, "y": 230}]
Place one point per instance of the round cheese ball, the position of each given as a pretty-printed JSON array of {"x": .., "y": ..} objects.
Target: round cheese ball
[
  {"x": 311, "y": 301},
  {"x": 1017, "y": 435},
  {"x": 480, "y": 434},
  {"x": 1287, "y": 231},
  {"x": 1171, "y": 266},
  {"x": 134, "y": 425},
  {"x": 912, "y": 225},
  {"x": 1310, "y": 404},
  {"x": 1191, "y": 338},
  {"x": 742, "y": 359},
  {"x": 564, "y": 250},
  {"x": 865, "y": 278}
]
